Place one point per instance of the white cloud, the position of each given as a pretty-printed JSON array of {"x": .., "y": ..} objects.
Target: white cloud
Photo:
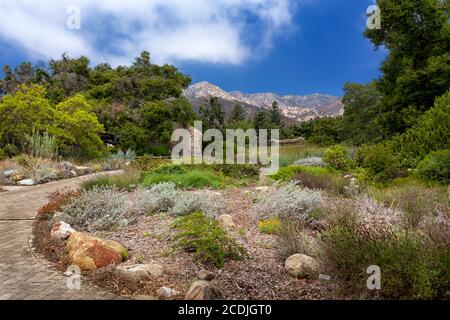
[{"x": 214, "y": 31}]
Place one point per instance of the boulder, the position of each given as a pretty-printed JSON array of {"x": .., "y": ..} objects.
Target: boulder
[
  {"x": 166, "y": 293},
  {"x": 82, "y": 170},
  {"x": 140, "y": 272},
  {"x": 205, "y": 275},
  {"x": 203, "y": 290},
  {"x": 226, "y": 221},
  {"x": 91, "y": 253},
  {"x": 311, "y": 162},
  {"x": 9, "y": 173},
  {"x": 301, "y": 266},
  {"x": 61, "y": 230},
  {"x": 262, "y": 189},
  {"x": 17, "y": 177},
  {"x": 26, "y": 182}
]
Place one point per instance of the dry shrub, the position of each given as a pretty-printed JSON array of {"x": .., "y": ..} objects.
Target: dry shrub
[
  {"x": 293, "y": 237},
  {"x": 415, "y": 263},
  {"x": 329, "y": 182}
]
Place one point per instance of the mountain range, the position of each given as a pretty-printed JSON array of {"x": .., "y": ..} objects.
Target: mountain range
[{"x": 293, "y": 107}]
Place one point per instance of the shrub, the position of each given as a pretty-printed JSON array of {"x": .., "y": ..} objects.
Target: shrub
[
  {"x": 292, "y": 239},
  {"x": 127, "y": 156},
  {"x": 189, "y": 179},
  {"x": 166, "y": 194},
  {"x": 56, "y": 202},
  {"x": 329, "y": 182},
  {"x": 336, "y": 157},
  {"x": 270, "y": 226},
  {"x": 207, "y": 239},
  {"x": 2, "y": 154},
  {"x": 11, "y": 150},
  {"x": 190, "y": 202},
  {"x": 430, "y": 133},
  {"x": 38, "y": 169},
  {"x": 288, "y": 173},
  {"x": 288, "y": 201},
  {"x": 436, "y": 166},
  {"x": 379, "y": 160},
  {"x": 414, "y": 263},
  {"x": 147, "y": 163},
  {"x": 42, "y": 145},
  {"x": 99, "y": 209},
  {"x": 126, "y": 181}
]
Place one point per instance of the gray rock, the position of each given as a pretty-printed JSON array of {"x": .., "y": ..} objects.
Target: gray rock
[
  {"x": 205, "y": 275},
  {"x": 26, "y": 182},
  {"x": 226, "y": 221},
  {"x": 301, "y": 266},
  {"x": 203, "y": 290},
  {"x": 9, "y": 173},
  {"x": 166, "y": 293},
  {"x": 61, "y": 230},
  {"x": 311, "y": 162},
  {"x": 140, "y": 272}
]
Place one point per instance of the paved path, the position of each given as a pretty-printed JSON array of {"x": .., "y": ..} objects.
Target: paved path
[{"x": 24, "y": 274}]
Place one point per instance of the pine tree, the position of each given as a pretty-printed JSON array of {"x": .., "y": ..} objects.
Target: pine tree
[
  {"x": 237, "y": 114},
  {"x": 275, "y": 116}
]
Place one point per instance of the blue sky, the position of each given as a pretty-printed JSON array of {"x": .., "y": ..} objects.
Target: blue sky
[{"x": 281, "y": 46}]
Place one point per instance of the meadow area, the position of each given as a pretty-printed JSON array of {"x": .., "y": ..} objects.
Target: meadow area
[{"x": 311, "y": 231}]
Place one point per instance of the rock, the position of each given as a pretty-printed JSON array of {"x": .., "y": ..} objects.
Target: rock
[
  {"x": 226, "y": 221},
  {"x": 61, "y": 230},
  {"x": 26, "y": 182},
  {"x": 82, "y": 170},
  {"x": 166, "y": 293},
  {"x": 139, "y": 272},
  {"x": 73, "y": 173},
  {"x": 205, "y": 275},
  {"x": 9, "y": 173},
  {"x": 324, "y": 277},
  {"x": 311, "y": 162},
  {"x": 91, "y": 253},
  {"x": 203, "y": 290},
  {"x": 301, "y": 266},
  {"x": 262, "y": 189}
]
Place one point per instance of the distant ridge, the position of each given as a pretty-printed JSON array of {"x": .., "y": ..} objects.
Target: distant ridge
[{"x": 294, "y": 108}]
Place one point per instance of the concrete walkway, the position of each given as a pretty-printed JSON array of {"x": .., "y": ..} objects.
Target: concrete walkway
[{"x": 24, "y": 275}]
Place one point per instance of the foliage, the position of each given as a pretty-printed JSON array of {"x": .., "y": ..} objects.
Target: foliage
[
  {"x": 332, "y": 183},
  {"x": 336, "y": 157},
  {"x": 379, "y": 161},
  {"x": 436, "y": 166},
  {"x": 191, "y": 202},
  {"x": 288, "y": 202},
  {"x": 127, "y": 156},
  {"x": 270, "y": 226},
  {"x": 292, "y": 239},
  {"x": 361, "y": 107},
  {"x": 237, "y": 114},
  {"x": 288, "y": 173},
  {"x": 126, "y": 181},
  {"x": 57, "y": 201},
  {"x": 322, "y": 131},
  {"x": 21, "y": 112},
  {"x": 190, "y": 179},
  {"x": 147, "y": 163},
  {"x": 430, "y": 133},
  {"x": 42, "y": 146},
  {"x": 212, "y": 114},
  {"x": 99, "y": 209},
  {"x": 78, "y": 129},
  {"x": 207, "y": 239},
  {"x": 2, "y": 154},
  {"x": 414, "y": 263},
  {"x": 417, "y": 69},
  {"x": 276, "y": 118}
]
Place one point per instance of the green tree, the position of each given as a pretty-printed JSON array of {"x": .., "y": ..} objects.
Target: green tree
[
  {"x": 417, "y": 70},
  {"x": 261, "y": 121},
  {"x": 361, "y": 108},
  {"x": 22, "y": 112},
  {"x": 77, "y": 128},
  {"x": 212, "y": 114},
  {"x": 237, "y": 113},
  {"x": 275, "y": 116},
  {"x": 430, "y": 133},
  {"x": 156, "y": 118}
]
